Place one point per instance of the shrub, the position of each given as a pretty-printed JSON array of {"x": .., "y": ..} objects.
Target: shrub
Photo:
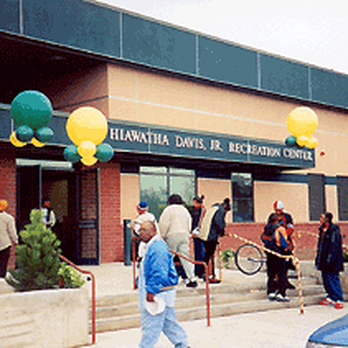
[
  {"x": 70, "y": 277},
  {"x": 226, "y": 255},
  {"x": 38, "y": 266}
]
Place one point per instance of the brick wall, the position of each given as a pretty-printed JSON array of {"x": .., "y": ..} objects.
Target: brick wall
[
  {"x": 306, "y": 243},
  {"x": 8, "y": 184},
  {"x": 111, "y": 231}
]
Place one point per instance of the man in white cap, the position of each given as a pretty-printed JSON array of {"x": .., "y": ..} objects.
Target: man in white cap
[
  {"x": 143, "y": 215},
  {"x": 157, "y": 281},
  {"x": 8, "y": 237},
  {"x": 285, "y": 220}
]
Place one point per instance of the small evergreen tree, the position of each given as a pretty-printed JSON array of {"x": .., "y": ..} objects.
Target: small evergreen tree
[{"x": 37, "y": 259}]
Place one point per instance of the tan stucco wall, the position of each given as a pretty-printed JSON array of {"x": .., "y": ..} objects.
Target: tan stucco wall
[
  {"x": 215, "y": 191},
  {"x": 130, "y": 193},
  {"x": 332, "y": 200},
  {"x": 156, "y": 99},
  {"x": 294, "y": 197}
]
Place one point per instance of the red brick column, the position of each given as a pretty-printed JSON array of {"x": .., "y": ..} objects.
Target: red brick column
[
  {"x": 111, "y": 231},
  {"x": 8, "y": 184}
]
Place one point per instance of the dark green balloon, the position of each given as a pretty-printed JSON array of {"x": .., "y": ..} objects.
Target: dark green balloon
[
  {"x": 290, "y": 141},
  {"x": 44, "y": 134},
  {"x": 71, "y": 154},
  {"x": 104, "y": 152},
  {"x": 24, "y": 134},
  {"x": 31, "y": 108}
]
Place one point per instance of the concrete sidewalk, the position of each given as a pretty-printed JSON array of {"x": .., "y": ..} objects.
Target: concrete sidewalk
[
  {"x": 272, "y": 329},
  {"x": 276, "y": 328}
]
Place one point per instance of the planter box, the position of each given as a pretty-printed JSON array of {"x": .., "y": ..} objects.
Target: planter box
[{"x": 46, "y": 318}]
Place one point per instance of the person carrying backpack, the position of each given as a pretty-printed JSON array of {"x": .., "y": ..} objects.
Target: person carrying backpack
[{"x": 274, "y": 237}]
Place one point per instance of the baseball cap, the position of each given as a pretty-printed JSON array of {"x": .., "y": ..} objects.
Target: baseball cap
[
  {"x": 278, "y": 205},
  {"x": 142, "y": 206}
]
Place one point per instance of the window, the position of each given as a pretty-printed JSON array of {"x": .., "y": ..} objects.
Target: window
[
  {"x": 242, "y": 193},
  {"x": 158, "y": 183},
  {"x": 342, "y": 193},
  {"x": 316, "y": 194}
]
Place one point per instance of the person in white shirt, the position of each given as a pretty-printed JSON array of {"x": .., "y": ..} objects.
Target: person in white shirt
[
  {"x": 175, "y": 226},
  {"x": 8, "y": 237},
  {"x": 143, "y": 215},
  {"x": 48, "y": 216}
]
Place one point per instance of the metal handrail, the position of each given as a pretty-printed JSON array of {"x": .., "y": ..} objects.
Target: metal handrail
[
  {"x": 207, "y": 292},
  {"x": 93, "y": 294}
]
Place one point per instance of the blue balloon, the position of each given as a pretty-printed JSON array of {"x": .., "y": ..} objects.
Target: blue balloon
[
  {"x": 24, "y": 134},
  {"x": 31, "y": 108},
  {"x": 44, "y": 134},
  {"x": 104, "y": 152},
  {"x": 71, "y": 154},
  {"x": 291, "y": 141}
]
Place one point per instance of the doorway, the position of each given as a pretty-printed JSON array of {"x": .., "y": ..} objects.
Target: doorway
[{"x": 74, "y": 200}]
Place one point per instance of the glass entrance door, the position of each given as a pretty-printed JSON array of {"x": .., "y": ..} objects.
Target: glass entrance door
[{"x": 28, "y": 193}]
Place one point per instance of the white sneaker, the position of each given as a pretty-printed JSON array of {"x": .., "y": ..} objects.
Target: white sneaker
[
  {"x": 282, "y": 298},
  {"x": 272, "y": 296}
]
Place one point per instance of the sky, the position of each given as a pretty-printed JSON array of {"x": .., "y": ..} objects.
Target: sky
[{"x": 310, "y": 31}]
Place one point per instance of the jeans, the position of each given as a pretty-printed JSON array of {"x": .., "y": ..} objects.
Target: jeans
[
  {"x": 276, "y": 272},
  {"x": 153, "y": 325},
  {"x": 199, "y": 255},
  {"x": 332, "y": 285},
  {"x": 210, "y": 247}
]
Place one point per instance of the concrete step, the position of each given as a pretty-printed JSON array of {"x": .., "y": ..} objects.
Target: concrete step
[
  {"x": 194, "y": 313},
  {"x": 200, "y": 300},
  {"x": 224, "y": 300},
  {"x": 182, "y": 291}
]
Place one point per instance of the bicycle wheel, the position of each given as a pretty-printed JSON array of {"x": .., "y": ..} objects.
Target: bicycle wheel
[{"x": 248, "y": 259}]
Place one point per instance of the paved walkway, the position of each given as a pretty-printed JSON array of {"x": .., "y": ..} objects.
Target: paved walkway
[{"x": 285, "y": 328}]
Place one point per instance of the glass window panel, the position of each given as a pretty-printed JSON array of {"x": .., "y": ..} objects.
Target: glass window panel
[
  {"x": 179, "y": 171},
  {"x": 184, "y": 186},
  {"x": 153, "y": 190},
  {"x": 242, "y": 192},
  {"x": 156, "y": 170},
  {"x": 243, "y": 210}
]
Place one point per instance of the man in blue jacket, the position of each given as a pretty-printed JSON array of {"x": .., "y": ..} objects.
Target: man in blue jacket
[
  {"x": 329, "y": 260},
  {"x": 157, "y": 281}
]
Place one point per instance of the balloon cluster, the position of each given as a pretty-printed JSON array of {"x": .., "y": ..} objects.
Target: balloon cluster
[
  {"x": 302, "y": 123},
  {"x": 87, "y": 127},
  {"x": 31, "y": 112}
]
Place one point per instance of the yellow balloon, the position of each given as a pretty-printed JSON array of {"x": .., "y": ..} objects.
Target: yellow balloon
[
  {"x": 302, "y": 140},
  {"x": 15, "y": 142},
  {"x": 302, "y": 121},
  {"x": 89, "y": 161},
  {"x": 87, "y": 123},
  {"x": 312, "y": 143},
  {"x": 37, "y": 143},
  {"x": 86, "y": 149}
]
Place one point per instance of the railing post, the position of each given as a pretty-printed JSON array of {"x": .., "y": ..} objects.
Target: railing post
[{"x": 127, "y": 242}]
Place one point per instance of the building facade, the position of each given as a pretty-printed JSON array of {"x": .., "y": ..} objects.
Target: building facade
[{"x": 187, "y": 114}]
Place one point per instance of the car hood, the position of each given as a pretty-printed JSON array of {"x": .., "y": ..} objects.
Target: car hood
[{"x": 334, "y": 332}]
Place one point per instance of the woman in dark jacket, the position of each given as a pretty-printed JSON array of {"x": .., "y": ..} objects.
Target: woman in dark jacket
[{"x": 329, "y": 260}]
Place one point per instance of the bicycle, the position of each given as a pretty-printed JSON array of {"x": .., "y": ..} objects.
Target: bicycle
[{"x": 249, "y": 259}]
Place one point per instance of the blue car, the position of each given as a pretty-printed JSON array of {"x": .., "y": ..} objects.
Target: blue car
[{"x": 331, "y": 335}]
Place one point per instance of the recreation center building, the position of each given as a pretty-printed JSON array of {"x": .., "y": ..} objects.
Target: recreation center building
[{"x": 187, "y": 113}]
